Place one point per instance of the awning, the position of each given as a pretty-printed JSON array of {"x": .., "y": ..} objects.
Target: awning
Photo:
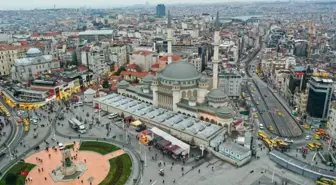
[{"x": 164, "y": 143}]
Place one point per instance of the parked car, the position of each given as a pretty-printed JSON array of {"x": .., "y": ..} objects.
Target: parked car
[
  {"x": 308, "y": 137},
  {"x": 141, "y": 128},
  {"x": 61, "y": 146},
  {"x": 80, "y": 103},
  {"x": 199, "y": 157}
]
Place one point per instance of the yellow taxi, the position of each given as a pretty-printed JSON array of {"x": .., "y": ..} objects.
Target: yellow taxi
[
  {"x": 311, "y": 146},
  {"x": 270, "y": 128},
  {"x": 257, "y": 102},
  {"x": 305, "y": 126},
  {"x": 26, "y": 128},
  {"x": 279, "y": 113},
  {"x": 318, "y": 145},
  {"x": 317, "y": 137},
  {"x": 255, "y": 116}
]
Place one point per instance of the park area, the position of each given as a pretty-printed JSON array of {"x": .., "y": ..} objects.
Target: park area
[
  {"x": 17, "y": 174},
  {"x": 99, "y": 147},
  {"x": 106, "y": 164}
]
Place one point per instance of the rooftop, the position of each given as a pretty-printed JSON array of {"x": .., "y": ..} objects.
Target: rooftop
[
  {"x": 186, "y": 124},
  {"x": 96, "y": 32}
]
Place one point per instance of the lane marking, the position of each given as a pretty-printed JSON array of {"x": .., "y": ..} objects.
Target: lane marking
[{"x": 154, "y": 182}]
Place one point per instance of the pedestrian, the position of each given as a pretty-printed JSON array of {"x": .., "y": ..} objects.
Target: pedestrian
[
  {"x": 42, "y": 169},
  {"x": 150, "y": 180},
  {"x": 85, "y": 160},
  {"x": 171, "y": 168},
  {"x": 164, "y": 163},
  {"x": 162, "y": 181},
  {"x": 181, "y": 168},
  {"x": 199, "y": 170},
  {"x": 45, "y": 178},
  {"x": 212, "y": 168},
  {"x": 49, "y": 155},
  {"x": 39, "y": 170},
  {"x": 173, "y": 180},
  {"x": 173, "y": 163}
]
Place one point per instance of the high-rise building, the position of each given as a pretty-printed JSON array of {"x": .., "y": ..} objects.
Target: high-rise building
[
  {"x": 160, "y": 10},
  {"x": 299, "y": 76},
  {"x": 320, "y": 91}
]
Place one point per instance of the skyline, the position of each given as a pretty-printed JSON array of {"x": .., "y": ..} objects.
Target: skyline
[{"x": 40, "y": 4}]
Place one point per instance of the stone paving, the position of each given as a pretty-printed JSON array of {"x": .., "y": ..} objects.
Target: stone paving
[{"x": 98, "y": 166}]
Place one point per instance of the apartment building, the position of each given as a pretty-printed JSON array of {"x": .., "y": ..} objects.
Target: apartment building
[
  {"x": 230, "y": 83},
  {"x": 118, "y": 54},
  {"x": 8, "y": 55},
  {"x": 143, "y": 59}
]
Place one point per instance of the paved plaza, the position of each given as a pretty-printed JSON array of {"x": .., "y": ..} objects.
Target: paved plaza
[{"x": 97, "y": 164}]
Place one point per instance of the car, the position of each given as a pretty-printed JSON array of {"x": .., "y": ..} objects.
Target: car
[
  {"x": 199, "y": 157},
  {"x": 61, "y": 146},
  {"x": 112, "y": 116},
  {"x": 140, "y": 128},
  {"x": 97, "y": 110},
  {"x": 288, "y": 140},
  {"x": 270, "y": 128},
  {"x": 279, "y": 113},
  {"x": 161, "y": 172},
  {"x": 308, "y": 137},
  {"x": 261, "y": 126},
  {"x": 257, "y": 102},
  {"x": 80, "y": 103},
  {"x": 33, "y": 121}
]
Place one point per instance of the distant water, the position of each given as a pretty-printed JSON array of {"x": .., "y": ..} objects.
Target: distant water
[{"x": 246, "y": 17}]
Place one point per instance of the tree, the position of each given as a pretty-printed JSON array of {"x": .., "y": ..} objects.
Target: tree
[
  {"x": 74, "y": 59},
  {"x": 121, "y": 68},
  {"x": 105, "y": 84},
  {"x": 11, "y": 179}
]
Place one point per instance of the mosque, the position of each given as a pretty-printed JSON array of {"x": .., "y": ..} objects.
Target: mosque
[{"x": 179, "y": 87}]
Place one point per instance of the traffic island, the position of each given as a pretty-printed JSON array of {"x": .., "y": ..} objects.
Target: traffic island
[
  {"x": 99, "y": 147},
  {"x": 17, "y": 174},
  {"x": 120, "y": 170}
]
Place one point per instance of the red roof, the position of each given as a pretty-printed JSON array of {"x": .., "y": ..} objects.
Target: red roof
[
  {"x": 142, "y": 52},
  {"x": 58, "y": 70},
  {"x": 81, "y": 68},
  {"x": 156, "y": 65},
  {"x": 131, "y": 66},
  {"x": 136, "y": 74},
  {"x": 8, "y": 47},
  {"x": 52, "y": 34},
  {"x": 35, "y": 34},
  {"x": 174, "y": 58}
]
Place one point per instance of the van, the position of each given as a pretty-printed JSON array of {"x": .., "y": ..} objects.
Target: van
[{"x": 112, "y": 116}]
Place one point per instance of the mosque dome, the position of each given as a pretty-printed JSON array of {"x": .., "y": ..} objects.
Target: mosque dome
[
  {"x": 123, "y": 84},
  {"x": 180, "y": 71},
  {"x": 33, "y": 52},
  {"x": 148, "y": 78},
  {"x": 216, "y": 96},
  {"x": 224, "y": 113}
]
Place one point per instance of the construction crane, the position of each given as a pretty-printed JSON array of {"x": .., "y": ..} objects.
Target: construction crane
[{"x": 311, "y": 30}]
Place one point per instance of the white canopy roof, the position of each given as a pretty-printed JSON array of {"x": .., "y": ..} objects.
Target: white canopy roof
[{"x": 90, "y": 91}]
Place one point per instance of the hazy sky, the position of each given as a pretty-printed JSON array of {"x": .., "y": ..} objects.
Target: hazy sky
[{"x": 30, "y": 4}]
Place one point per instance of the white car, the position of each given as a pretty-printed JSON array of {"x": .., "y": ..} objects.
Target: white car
[
  {"x": 261, "y": 126},
  {"x": 308, "y": 137},
  {"x": 33, "y": 121},
  {"x": 289, "y": 140},
  {"x": 61, "y": 146},
  {"x": 80, "y": 103}
]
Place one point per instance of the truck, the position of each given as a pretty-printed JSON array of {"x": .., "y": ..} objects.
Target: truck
[{"x": 77, "y": 125}]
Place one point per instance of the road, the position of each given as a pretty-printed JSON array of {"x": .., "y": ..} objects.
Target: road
[
  {"x": 270, "y": 109},
  {"x": 285, "y": 123}
]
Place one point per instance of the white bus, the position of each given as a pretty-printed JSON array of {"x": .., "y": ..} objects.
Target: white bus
[{"x": 79, "y": 126}]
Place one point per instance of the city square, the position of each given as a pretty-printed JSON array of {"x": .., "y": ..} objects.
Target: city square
[{"x": 229, "y": 93}]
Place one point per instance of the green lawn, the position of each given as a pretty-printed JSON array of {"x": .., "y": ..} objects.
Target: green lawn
[
  {"x": 99, "y": 147},
  {"x": 16, "y": 170},
  {"x": 120, "y": 170},
  {"x": 69, "y": 146}
]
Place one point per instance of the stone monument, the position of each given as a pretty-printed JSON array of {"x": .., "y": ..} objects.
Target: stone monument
[{"x": 69, "y": 170}]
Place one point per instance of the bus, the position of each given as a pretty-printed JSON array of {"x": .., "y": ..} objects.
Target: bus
[{"x": 77, "y": 125}]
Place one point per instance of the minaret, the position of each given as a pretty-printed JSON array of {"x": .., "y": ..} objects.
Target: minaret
[
  {"x": 169, "y": 39},
  {"x": 215, "y": 59}
]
